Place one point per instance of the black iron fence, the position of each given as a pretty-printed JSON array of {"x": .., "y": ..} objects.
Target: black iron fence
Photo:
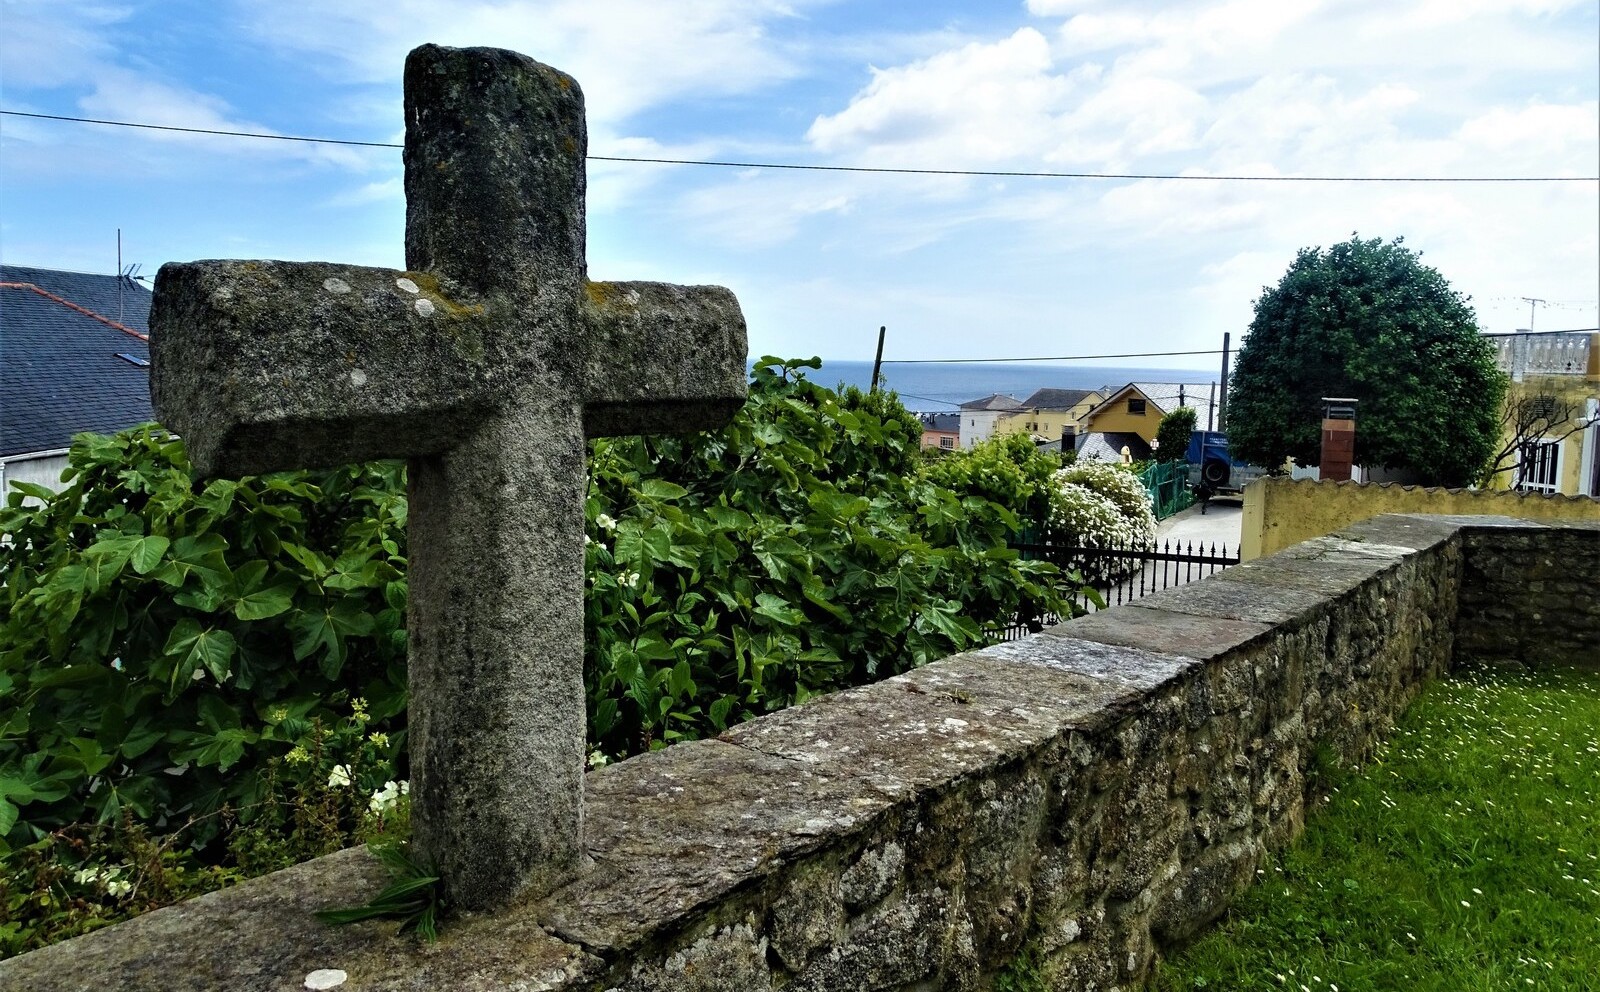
[{"x": 1114, "y": 574}]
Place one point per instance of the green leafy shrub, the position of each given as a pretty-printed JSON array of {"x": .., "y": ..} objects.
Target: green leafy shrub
[
  {"x": 1008, "y": 471},
  {"x": 804, "y": 548},
  {"x": 164, "y": 644},
  {"x": 1174, "y": 433}
]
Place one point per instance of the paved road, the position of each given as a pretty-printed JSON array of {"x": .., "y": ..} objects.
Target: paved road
[{"x": 1218, "y": 525}]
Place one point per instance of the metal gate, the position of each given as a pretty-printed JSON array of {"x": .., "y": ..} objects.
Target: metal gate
[{"x": 1116, "y": 574}]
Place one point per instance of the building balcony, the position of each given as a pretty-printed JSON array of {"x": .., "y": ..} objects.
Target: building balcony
[{"x": 1525, "y": 353}]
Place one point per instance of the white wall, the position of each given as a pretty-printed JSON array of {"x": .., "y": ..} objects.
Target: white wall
[{"x": 42, "y": 468}]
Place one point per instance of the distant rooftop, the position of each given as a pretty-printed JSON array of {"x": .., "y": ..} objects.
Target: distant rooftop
[
  {"x": 74, "y": 356},
  {"x": 997, "y": 401},
  {"x": 1055, "y": 399}
]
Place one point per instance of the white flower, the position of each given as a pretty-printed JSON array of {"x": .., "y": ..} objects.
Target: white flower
[
  {"x": 629, "y": 579},
  {"x": 85, "y": 876},
  {"x": 119, "y": 887},
  {"x": 339, "y": 777},
  {"x": 385, "y": 798},
  {"x": 604, "y": 522}
]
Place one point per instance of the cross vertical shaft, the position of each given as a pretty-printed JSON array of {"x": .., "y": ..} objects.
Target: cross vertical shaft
[{"x": 497, "y": 707}]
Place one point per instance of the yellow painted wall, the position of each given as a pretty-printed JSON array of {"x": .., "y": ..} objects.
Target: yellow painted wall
[
  {"x": 1047, "y": 423},
  {"x": 1114, "y": 416},
  {"x": 1572, "y": 389},
  {"x": 1280, "y": 512}
]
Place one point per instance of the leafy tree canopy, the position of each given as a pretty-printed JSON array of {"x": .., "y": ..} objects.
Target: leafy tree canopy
[
  {"x": 1173, "y": 434},
  {"x": 1367, "y": 319}
]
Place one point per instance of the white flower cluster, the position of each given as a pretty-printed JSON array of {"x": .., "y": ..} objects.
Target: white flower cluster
[
  {"x": 1121, "y": 487},
  {"x": 1102, "y": 505},
  {"x": 629, "y": 579},
  {"x": 1088, "y": 516},
  {"x": 115, "y": 887},
  {"x": 385, "y": 798},
  {"x": 339, "y": 777}
]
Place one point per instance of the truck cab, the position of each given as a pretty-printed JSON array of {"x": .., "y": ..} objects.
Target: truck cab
[{"x": 1213, "y": 471}]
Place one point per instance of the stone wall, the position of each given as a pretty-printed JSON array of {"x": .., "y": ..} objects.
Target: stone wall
[
  {"x": 1531, "y": 595},
  {"x": 1067, "y": 807},
  {"x": 1282, "y": 512}
]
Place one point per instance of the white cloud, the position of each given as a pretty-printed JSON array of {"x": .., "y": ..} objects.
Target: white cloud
[
  {"x": 980, "y": 103},
  {"x": 629, "y": 55}
]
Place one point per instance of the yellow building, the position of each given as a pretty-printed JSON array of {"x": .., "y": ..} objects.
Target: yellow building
[
  {"x": 1138, "y": 407},
  {"x": 1050, "y": 414},
  {"x": 1551, "y": 424}
]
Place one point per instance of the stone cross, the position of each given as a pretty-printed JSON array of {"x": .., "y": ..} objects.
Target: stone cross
[{"x": 486, "y": 364}]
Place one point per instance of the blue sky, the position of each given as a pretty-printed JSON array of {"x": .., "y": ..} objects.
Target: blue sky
[{"x": 955, "y": 266}]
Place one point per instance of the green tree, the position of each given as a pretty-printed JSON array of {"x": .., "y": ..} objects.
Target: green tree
[
  {"x": 1367, "y": 319},
  {"x": 1173, "y": 434}
]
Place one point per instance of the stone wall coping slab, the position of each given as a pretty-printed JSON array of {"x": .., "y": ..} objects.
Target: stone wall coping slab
[{"x": 1153, "y": 628}]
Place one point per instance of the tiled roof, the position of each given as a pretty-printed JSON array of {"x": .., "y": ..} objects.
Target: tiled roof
[
  {"x": 1055, "y": 399},
  {"x": 1166, "y": 396},
  {"x": 1106, "y": 446},
  {"x": 997, "y": 401},
  {"x": 1171, "y": 395},
  {"x": 59, "y": 372},
  {"x": 949, "y": 423}
]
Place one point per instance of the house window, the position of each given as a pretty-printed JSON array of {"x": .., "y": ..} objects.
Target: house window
[
  {"x": 1539, "y": 469},
  {"x": 1136, "y": 407},
  {"x": 947, "y": 442}
]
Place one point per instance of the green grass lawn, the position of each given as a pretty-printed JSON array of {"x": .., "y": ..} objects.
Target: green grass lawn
[{"x": 1465, "y": 856}]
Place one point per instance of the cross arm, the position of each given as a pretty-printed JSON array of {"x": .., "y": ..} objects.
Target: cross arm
[
  {"x": 264, "y": 366},
  {"x": 661, "y": 358}
]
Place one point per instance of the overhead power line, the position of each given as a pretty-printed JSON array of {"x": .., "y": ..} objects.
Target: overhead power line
[
  {"x": 1050, "y": 358},
  {"x": 879, "y": 170}
]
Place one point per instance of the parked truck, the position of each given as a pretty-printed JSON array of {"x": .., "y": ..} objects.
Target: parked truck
[{"x": 1213, "y": 471}]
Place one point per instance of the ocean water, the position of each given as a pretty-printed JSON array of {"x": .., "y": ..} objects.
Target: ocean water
[{"x": 944, "y": 386}]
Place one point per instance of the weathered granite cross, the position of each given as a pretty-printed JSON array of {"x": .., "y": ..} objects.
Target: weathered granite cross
[{"x": 486, "y": 364}]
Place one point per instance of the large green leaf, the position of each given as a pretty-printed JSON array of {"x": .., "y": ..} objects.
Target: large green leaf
[{"x": 192, "y": 647}]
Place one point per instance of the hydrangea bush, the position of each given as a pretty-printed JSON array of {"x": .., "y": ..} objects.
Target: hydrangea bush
[
  {"x": 1100, "y": 505},
  {"x": 1123, "y": 490}
]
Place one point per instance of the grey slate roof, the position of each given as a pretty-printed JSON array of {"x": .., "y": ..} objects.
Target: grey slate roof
[
  {"x": 1171, "y": 395},
  {"x": 1055, "y": 399},
  {"x": 1165, "y": 396},
  {"x": 59, "y": 370},
  {"x": 995, "y": 401},
  {"x": 1106, "y": 446},
  {"x": 950, "y": 423}
]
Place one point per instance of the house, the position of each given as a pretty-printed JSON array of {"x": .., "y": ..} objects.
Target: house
[
  {"x": 980, "y": 418},
  {"x": 1551, "y": 422},
  {"x": 1130, "y": 417},
  {"x": 74, "y": 357},
  {"x": 941, "y": 430},
  {"x": 1050, "y": 414}
]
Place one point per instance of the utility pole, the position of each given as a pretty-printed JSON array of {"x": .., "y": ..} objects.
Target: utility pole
[
  {"x": 877, "y": 363},
  {"x": 1532, "y": 302},
  {"x": 1222, "y": 401}
]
